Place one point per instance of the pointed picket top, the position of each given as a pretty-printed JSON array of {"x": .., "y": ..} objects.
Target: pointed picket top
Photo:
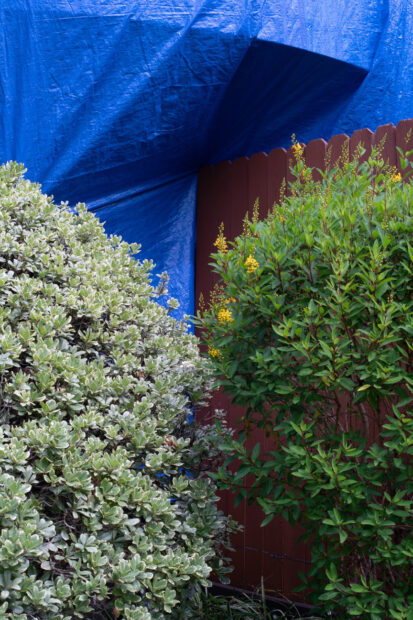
[
  {"x": 337, "y": 150},
  {"x": 385, "y": 142},
  {"x": 404, "y": 139},
  {"x": 315, "y": 156},
  {"x": 291, "y": 162},
  {"x": 361, "y": 138},
  {"x": 239, "y": 204},
  {"x": 258, "y": 183},
  {"x": 277, "y": 172}
]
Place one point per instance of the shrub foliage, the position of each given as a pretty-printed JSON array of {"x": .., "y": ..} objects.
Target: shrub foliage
[
  {"x": 103, "y": 505},
  {"x": 310, "y": 326}
]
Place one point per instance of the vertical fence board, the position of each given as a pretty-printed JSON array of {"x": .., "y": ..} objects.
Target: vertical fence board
[
  {"x": 277, "y": 171},
  {"x": 404, "y": 139},
  {"x": 315, "y": 156},
  {"x": 238, "y": 203},
  {"x": 221, "y": 195},
  {"x": 206, "y": 200},
  {"x": 258, "y": 183},
  {"x": 238, "y": 541},
  {"x": 364, "y": 138},
  {"x": 336, "y": 149},
  {"x": 223, "y": 192},
  {"x": 231, "y": 183},
  {"x": 254, "y": 546},
  {"x": 291, "y": 162},
  {"x": 273, "y": 550},
  {"x": 290, "y": 574},
  {"x": 385, "y": 139}
]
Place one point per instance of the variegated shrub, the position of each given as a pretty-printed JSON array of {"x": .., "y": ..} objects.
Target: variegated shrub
[{"x": 103, "y": 505}]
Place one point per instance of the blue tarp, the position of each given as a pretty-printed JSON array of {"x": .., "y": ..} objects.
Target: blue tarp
[{"x": 118, "y": 103}]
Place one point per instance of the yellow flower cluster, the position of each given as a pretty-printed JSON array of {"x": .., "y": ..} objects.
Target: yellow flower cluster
[
  {"x": 298, "y": 149},
  {"x": 214, "y": 352},
  {"x": 251, "y": 264},
  {"x": 221, "y": 243},
  {"x": 224, "y": 316},
  {"x": 396, "y": 177}
]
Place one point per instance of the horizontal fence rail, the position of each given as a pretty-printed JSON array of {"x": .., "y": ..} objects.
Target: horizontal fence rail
[{"x": 225, "y": 193}]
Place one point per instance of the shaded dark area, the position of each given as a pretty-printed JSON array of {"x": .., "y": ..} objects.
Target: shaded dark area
[{"x": 276, "y": 91}]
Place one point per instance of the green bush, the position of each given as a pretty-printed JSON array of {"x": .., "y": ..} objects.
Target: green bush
[
  {"x": 310, "y": 327},
  {"x": 104, "y": 508}
]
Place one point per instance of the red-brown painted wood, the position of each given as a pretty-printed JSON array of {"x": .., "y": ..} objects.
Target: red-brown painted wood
[
  {"x": 291, "y": 162},
  {"x": 223, "y": 192},
  {"x": 277, "y": 172},
  {"x": 237, "y": 202},
  {"x": 315, "y": 156},
  {"x": 404, "y": 139},
  {"x": 254, "y": 546},
  {"x": 258, "y": 183},
  {"x": 206, "y": 211},
  {"x": 336, "y": 149},
  {"x": 273, "y": 552},
  {"x": 385, "y": 140},
  {"x": 361, "y": 138},
  {"x": 238, "y": 542}
]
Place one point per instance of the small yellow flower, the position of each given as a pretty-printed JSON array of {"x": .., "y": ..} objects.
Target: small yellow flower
[
  {"x": 396, "y": 177},
  {"x": 214, "y": 352},
  {"x": 230, "y": 300},
  {"x": 251, "y": 264},
  {"x": 224, "y": 316}
]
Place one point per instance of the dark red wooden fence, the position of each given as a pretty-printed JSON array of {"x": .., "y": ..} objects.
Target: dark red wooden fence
[{"x": 225, "y": 192}]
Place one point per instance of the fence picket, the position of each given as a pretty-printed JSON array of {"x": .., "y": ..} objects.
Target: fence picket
[
  {"x": 404, "y": 139},
  {"x": 277, "y": 171},
  {"x": 336, "y": 149},
  {"x": 291, "y": 162},
  {"x": 315, "y": 156},
  {"x": 258, "y": 183},
  {"x": 206, "y": 197},
  {"x": 385, "y": 138},
  {"x": 239, "y": 202},
  {"x": 365, "y": 138}
]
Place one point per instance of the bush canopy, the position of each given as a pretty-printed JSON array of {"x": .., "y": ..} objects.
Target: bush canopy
[
  {"x": 310, "y": 327},
  {"x": 104, "y": 508}
]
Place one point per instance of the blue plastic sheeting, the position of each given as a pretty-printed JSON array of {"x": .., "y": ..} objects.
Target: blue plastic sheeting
[
  {"x": 303, "y": 84},
  {"x": 119, "y": 102}
]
